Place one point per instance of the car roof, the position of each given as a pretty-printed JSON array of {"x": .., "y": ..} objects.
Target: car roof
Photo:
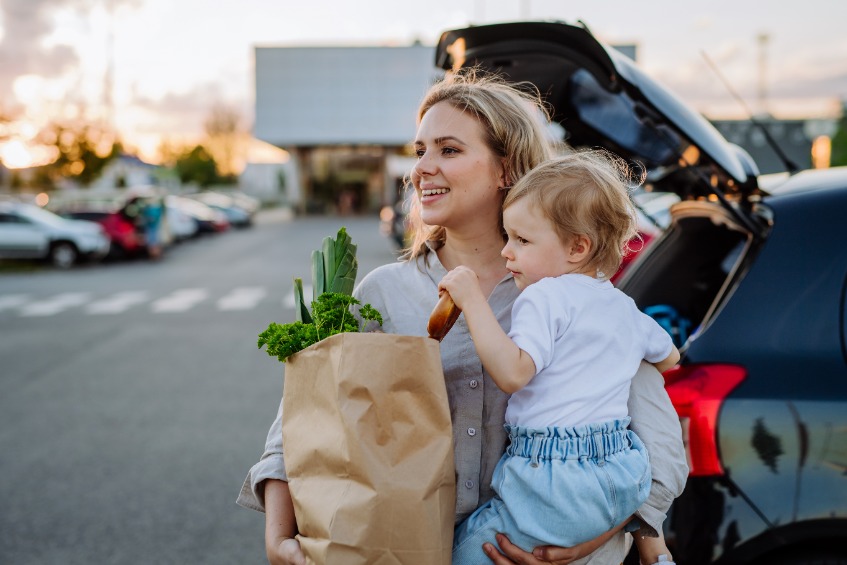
[{"x": 805, "y": 181}]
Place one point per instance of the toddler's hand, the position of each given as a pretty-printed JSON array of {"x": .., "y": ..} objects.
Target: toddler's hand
[{"x": 463, "y": 286}]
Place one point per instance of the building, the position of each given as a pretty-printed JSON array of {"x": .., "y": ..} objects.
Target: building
[
  {"x": 345, "y": 115},
  {"x": 794, "y": 137}
]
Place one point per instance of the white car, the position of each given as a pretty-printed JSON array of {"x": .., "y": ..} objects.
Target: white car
[
  {"x": 180, "y": 224},
  {"x": 30, "y": 232}
]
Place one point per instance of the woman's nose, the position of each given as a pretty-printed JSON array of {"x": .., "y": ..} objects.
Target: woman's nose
[{"x": 424, "y": 165}]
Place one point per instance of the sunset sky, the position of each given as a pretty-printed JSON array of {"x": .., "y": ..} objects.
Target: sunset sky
[{"x": 155, "y": 68}]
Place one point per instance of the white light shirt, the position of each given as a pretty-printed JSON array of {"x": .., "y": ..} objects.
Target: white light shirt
[{"x": 587, "y": 340}]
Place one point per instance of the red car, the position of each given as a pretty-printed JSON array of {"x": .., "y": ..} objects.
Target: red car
[{"x": 125, "y": 238}]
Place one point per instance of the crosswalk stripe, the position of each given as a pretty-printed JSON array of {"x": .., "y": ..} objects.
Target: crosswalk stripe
[
  {"x": 11, "y": 301},
  {"x": 243, "y": 298},
  {"x": 180, "y": 300},
  {"x": 55, "y": 304},
  {"x": 117, "y": 303}
]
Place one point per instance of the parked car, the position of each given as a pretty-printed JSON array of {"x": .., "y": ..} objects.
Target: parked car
[
  {"x": 208, "y": 219},
  {"x": 125, "y": 239},
  {"x": 751, "y": 284},
  {"x": 235, "y": 213},
  {"x": 30, "y": 232},
  {"x": 180, "y": 223}
]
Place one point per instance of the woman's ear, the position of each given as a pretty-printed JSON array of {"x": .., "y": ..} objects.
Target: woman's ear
[{"x": 505, "y": 180}]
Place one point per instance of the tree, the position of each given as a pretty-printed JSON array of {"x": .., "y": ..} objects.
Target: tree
[
  {"x": 838, "y": 156},
  {"x": 197, "y": 165},
  {"x": 83, "y": 150},
  {"x": 225, "y": 139}
]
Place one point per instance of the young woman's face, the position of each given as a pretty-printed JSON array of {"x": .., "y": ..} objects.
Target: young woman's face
[
  {"x": 457, "y": 176},
  {"x": 534, "y": 250}
]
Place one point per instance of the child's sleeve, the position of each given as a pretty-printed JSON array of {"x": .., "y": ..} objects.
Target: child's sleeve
[{"x": 534, "y": 325}]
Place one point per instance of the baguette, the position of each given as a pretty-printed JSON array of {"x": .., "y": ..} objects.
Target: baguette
[{"x": 443, "y": 316}]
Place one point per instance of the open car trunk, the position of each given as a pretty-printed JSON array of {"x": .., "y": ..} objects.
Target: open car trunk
[{"x": 692, "y": 268}]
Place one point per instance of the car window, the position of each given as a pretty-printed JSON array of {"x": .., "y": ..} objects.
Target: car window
[
  {"x": 12, "y": 219},
  {"x": 36, "y": 214}
]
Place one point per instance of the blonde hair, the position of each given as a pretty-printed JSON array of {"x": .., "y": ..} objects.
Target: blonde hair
[
  {"x": 585, "y": 193},
  {"x": 514, "y": 122}
]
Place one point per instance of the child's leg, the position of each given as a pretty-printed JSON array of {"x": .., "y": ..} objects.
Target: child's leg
[{"x": 488, "y": 520}]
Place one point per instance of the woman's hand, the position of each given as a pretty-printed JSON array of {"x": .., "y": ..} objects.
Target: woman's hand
[
  {"x": 285, "y": 552},
  {"x": 510, "y": 553}
]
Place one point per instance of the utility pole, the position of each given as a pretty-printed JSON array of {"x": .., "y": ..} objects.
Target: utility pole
[
  {"x": 108, "y": 75},
  {"x": 763, "y": 39}
]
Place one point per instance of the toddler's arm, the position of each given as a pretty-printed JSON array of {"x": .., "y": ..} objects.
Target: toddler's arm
[
  {"x": 509, "y": 366},
  {"x": 668, "y": 361}
]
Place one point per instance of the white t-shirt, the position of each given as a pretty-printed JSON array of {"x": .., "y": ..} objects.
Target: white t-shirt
[{"x": 587, "y": 339}]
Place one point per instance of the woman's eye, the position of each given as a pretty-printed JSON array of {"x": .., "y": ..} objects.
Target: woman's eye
[
  {"x": 420, "y": 152},
  {"x": 449, "y": 150}
]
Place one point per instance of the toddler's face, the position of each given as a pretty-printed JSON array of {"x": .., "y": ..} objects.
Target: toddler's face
[{"x": 534, "y": 250}]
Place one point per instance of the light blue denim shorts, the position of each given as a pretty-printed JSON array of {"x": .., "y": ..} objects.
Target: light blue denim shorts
[{"x": 559, "y": 486}]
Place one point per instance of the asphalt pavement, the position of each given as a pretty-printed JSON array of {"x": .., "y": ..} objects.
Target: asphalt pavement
[{"x": 133, "y": 398}]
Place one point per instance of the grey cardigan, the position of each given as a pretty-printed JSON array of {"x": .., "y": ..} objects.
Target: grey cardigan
[{"x": 405, "y": 294}]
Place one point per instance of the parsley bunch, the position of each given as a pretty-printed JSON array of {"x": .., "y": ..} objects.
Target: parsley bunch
[{"x": 334, "y": 273}]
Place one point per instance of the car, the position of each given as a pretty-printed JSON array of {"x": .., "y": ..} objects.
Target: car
[
  {"x": 749, "y": 278},
  {"x": 126, "y": 241},
  {"x": 30, "y": 232},
  {"x": 208, "y": 219},
  {"x": 235, "y": 213},
  {"x": 181, "y": 225}
]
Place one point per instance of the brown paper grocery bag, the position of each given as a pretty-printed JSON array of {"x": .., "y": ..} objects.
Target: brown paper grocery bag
[{"x": 369, "y": 451}]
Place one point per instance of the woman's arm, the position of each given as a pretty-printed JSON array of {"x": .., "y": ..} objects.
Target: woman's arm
[
  {"x": 656, "y": 422},
  {"x": 280, "y": 526}
]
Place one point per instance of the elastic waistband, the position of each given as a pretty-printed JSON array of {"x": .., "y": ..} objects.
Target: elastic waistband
[{"x": 590, "y": 441}]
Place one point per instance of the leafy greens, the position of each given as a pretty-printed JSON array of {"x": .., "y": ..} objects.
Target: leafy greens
[{"x": 334, "y": 268}]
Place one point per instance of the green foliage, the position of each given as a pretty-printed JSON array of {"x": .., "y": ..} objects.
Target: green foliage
[
  {"x": 331, "y": 315},
  {"x": 196, "y": 165},
  {"x": 334, "y": 269},
  {"x": 82, "y": 151},
  {"x": 301, "y": 311},
  {"x": 838, "y": 157}
]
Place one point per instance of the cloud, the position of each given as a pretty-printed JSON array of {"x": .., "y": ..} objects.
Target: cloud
[
  {"x": 184, "y": 112},
  {"x": 23, "y": 49}
]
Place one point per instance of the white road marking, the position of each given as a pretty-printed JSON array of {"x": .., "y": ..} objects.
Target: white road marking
[
  {"x": 288, "y": 299},
  {"x": 56, "y": 304},
  {"x": 180, "y": 300},
  {"x": 118, "y": 302},
  {"x": 11, "y": 301},
  {"x": 243, "y": 298}
]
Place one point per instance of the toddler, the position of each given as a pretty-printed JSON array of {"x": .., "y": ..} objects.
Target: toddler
[{"x": 572, "y": 470}]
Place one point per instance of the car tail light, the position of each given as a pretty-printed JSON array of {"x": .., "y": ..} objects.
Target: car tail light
[{"x": 697, "y": 392}]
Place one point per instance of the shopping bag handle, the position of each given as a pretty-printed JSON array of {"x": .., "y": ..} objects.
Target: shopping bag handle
[{"x": 443, "y": 316}]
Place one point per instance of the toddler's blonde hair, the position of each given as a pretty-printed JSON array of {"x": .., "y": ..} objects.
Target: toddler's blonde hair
[{"x": 585, "y": 193}]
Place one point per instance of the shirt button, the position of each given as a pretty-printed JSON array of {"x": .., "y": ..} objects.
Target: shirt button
[
  {"x": 471, "y": 432},
  {"x": 468, "y": 484},
  {"x": 474, "y": 383}
]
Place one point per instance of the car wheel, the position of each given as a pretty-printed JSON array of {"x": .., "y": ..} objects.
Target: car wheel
[{"x": 63, "y": 254}]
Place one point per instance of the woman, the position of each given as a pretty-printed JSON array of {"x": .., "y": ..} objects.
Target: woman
[{"x": 476, "y": 136}]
